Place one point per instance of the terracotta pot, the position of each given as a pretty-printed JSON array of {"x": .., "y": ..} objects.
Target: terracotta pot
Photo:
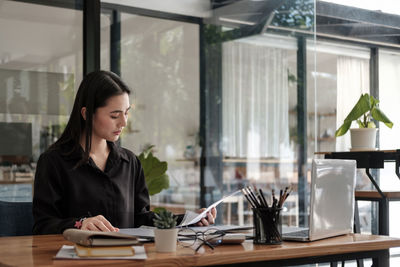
[
  {"x": 363, "y": 138},
  {"x": 165, "y": 239}
]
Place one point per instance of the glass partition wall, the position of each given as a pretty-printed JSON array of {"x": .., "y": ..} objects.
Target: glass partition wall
[
  {"x": 365, "y": 42},
  {"x": 216, "y": 94},
  {"x": 254, "y": 92},
  {"x": 160, "y": 61},
  {"x": 258, "y": 106},
  {"x": 230, "y": 93},
  {"x": 40, "y": 67}
]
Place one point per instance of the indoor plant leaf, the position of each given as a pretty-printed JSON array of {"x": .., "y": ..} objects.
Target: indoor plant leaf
[
  {"x": 360, "y": 124},
  {"x": 368, "y": 106},
  {"x": 146, "y": 163},
  {"x": 156, "y": 184},
  {"x": 365, "y": 110},
  {"x": 378, "y": 115},
  {"x": 374, "y": 101},
  {"x": 152, "y": 166},
  {"x": 154, "y": 172},
  {"x": 164, "y": 219},
  {"x": 158, "y": 168},
  {"x": 147, "y": 151},
  {"x": 343, "y": 129},
  {"x": 371, "y": 124},
  {"x": 363, "y": 105},
  {"x": 158, "y": 209}
]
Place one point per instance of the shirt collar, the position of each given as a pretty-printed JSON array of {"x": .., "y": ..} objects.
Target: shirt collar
[{"x": 116, "y": 152}]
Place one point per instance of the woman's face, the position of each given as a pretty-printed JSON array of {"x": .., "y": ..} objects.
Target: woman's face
[{"x": 108, "y": 121}]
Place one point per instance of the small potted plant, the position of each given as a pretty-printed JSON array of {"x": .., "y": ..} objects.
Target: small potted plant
[
  {"x": 165, "y": 235},
  {"x": 366, "y": 109}
]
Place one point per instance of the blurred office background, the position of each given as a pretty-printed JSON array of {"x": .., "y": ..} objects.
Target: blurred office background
[{"x": 230, "y": 92}]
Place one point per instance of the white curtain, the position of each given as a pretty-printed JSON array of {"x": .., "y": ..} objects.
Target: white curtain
[
  {"x": 389, "y": 97},
  {"x": 352, "y": 81},
  {"x": 255, "y": 100}
]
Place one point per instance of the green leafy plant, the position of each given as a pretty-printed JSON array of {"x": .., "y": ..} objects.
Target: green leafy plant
[
  {"x": 366, "y": 109},
  {"x": 164, "y": 219},
  {"x": 154, "y": 171}
]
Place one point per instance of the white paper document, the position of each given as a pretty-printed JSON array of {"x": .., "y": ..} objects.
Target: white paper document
[
  {"x": 68, "y": 252},
  {"x": 193, "y": 217},
  {"x": 141, "y": 232},
  {"x": 189, "y": 218}
]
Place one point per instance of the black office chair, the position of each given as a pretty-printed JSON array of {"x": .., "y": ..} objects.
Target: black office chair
[{"x": 16, "y": 218}]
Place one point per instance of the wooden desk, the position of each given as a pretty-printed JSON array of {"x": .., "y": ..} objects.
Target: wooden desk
[{"x": 40, "y": 250}]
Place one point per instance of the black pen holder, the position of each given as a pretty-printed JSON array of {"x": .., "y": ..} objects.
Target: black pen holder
[{"x": 267, "y": 226}]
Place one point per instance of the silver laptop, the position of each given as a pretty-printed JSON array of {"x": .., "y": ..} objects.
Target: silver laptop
[{"x": 331, "y": 201}]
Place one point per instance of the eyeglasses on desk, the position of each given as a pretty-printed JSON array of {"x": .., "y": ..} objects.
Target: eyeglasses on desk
[{"x": 190, "y": 238}]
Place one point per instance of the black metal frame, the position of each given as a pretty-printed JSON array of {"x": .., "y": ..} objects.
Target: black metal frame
[
  {"x": 376, "y": 22},
  {"x": 152, "y": 13},
  {"x": 91, "y": 36},
  {"x": 302, "y": 128},
  {"x": 211, "y": 129},
  {"x": 203, "y": 118},
  {"x": 383, "y": 210},
  {"x": 115, "y": 42}
]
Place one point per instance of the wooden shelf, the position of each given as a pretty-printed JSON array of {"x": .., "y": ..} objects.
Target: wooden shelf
[
  {"x": 323, "y": 139},
  {"x": 329, "y": 114},
  {"x": 188, "y": 160},
  {"x": 330, "y": 152},
  {"x": 16, "y": 182},
  {"x": 391, "y": 195},
  {"x": 174, "y": 208},
  {"x": 257, "y": 160}
]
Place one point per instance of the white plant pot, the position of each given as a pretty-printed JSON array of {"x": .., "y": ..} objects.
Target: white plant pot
[
  {"x": 363, "y": 138},
  {"x": 165, "y": 239}
]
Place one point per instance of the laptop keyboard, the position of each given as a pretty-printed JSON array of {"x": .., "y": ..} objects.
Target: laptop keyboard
[{"x": 300, "y": 233}]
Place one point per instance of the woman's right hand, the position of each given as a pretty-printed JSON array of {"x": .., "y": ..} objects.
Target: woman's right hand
[{"x": 98, "y": 223}]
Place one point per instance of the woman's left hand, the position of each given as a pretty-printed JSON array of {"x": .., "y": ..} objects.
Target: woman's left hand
[{"x": 209, "y": 219}]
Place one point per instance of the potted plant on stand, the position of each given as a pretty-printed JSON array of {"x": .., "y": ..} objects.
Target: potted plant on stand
[
  {"x": 165, "y": 235},
  {"x": 366, "y": 109}
]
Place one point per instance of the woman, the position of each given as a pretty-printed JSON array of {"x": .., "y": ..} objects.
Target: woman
[{"x": 85, "y": 180}]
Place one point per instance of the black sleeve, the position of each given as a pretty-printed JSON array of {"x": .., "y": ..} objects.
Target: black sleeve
[
  {"x": 47, "y": 198},
  {"x": 143, "y": 215}
]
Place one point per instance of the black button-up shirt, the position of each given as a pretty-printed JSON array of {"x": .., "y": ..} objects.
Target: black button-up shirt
[{"x": 64, "y": 194}]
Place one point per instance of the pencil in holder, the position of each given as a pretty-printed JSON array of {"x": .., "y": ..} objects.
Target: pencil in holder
[{"x": 267, "y": 225}]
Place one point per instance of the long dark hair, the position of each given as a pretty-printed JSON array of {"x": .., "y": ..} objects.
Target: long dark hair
[{"x": 94, "y": 91}]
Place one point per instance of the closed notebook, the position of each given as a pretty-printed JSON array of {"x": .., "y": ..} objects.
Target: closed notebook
[
  {"x": 114, "y": 251},
  {"x": 95, "y": 238}
]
